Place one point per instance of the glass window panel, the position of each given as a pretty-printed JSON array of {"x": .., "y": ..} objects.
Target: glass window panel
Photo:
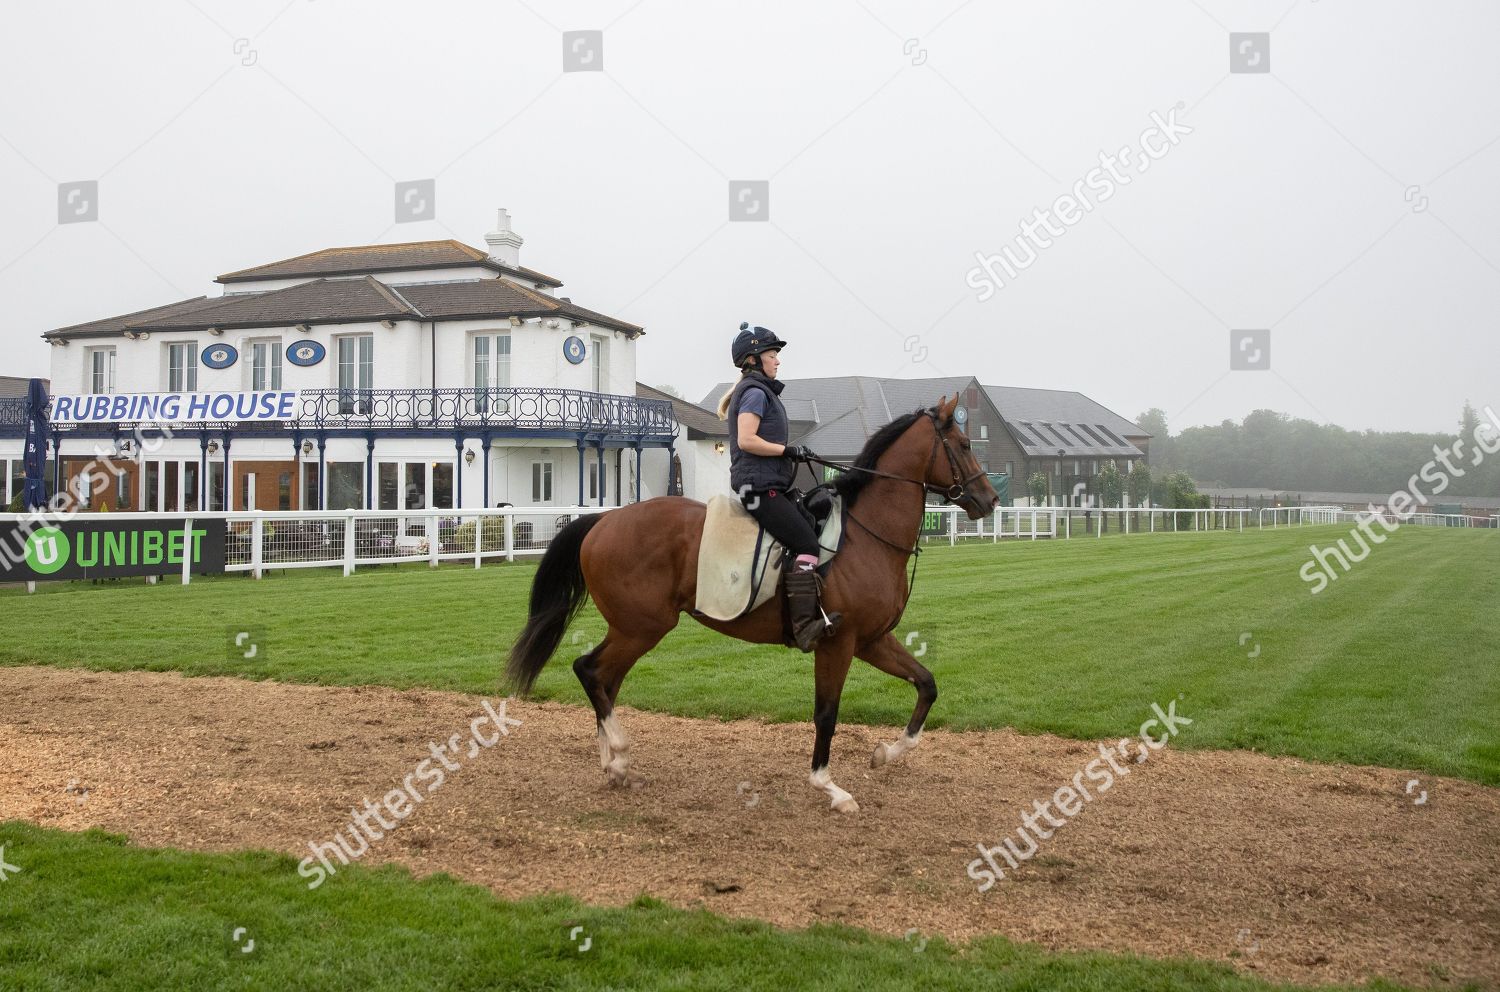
[{"x": 416, "y": 485}]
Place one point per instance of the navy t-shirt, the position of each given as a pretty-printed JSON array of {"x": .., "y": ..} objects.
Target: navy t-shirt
[{"x": 754, "y": 401}]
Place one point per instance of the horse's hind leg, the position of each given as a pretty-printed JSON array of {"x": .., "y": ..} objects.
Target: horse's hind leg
[
  {"x": 890, "y": 656},
  {"x": 601, "y": 671}
]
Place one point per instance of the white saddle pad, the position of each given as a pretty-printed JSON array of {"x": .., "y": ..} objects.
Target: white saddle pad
[{"x": 732, "y": 578}]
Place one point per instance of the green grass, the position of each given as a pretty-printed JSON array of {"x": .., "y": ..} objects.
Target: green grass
[
  {"x": 1392, "y": 665},
  {"x": 90, "y": 911}
]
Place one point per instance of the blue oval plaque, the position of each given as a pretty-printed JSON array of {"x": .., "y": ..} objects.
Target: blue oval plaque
[
  {"x": 305, "y": 353},
  {"x": 220, "y": 356}
]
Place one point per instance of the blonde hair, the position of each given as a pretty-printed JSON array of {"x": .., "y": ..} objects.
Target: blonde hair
[
  {"x": 750, "y": 362},
  {"x": 723, "y": 401}
]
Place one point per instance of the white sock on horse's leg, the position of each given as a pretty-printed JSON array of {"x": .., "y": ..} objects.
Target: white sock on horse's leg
[
  {"x": 886, "y": 753},
  {"x": 614, "y": 749},
  {"x": 841, "y": 800}
]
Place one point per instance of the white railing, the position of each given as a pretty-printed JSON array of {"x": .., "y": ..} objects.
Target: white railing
[
  {"x": 1053, "y": 521},
  {"x": 1291, "y": 516}
]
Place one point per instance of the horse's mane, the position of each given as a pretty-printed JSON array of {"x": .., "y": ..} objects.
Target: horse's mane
[{"x": 851, "y": 484}]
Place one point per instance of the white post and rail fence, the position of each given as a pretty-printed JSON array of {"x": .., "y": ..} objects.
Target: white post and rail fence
[{"x": 258, "y": 541}]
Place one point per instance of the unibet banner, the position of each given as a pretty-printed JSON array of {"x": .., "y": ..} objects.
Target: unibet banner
[{"x": 98, "y": 548}]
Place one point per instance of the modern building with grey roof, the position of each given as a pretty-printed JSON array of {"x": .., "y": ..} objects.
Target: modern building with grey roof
[{"x": 1016, "y": 431}]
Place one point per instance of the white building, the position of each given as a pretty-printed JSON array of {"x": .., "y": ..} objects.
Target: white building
[{"x": 430, "y": 374}]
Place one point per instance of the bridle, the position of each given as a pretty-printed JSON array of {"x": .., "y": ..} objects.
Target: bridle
[{"x": 958, "y": 490}]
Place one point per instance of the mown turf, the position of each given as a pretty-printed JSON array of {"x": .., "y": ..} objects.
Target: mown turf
[
  {"x": 90, "y": 911},
  {"x": 1392, "y": 665}
]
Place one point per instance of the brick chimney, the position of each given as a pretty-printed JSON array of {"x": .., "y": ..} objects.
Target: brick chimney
[{"x": 504, "y": 244}]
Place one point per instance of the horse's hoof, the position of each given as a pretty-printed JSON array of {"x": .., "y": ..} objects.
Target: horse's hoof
[
  {"x": 618, "y": 773},
  {"x": 846, "y": 805},
  {"x": 880, "y": 756}
]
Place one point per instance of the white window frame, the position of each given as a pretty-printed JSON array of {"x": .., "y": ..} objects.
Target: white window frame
[
  {"x": 188, "y": 370},
  {"x": 274, "y": 370},
  {"x": 543, "y": 477},
  {"x": 363, "y": 375},
  {"x": 498, "y": 349},
  {"x": 598, "y": 363},
  {"x": 598, "y": 488},
  {"x": 92, "y": 374}
]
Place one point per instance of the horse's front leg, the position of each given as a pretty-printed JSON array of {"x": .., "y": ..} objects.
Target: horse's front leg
[
  {"x": 832, "y": 667},
  {"x": 890, "y": 656}
]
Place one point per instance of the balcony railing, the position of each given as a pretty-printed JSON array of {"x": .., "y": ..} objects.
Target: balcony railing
[
  {"x": 13, "y": 416},
  {"x": 496, "y": 408}
]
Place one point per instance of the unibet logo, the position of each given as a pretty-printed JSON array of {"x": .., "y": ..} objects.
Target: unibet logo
[{"x": 47, "y": 550}]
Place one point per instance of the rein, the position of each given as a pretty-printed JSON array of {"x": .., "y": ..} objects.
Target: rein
[{"x": 952, "y": 494}]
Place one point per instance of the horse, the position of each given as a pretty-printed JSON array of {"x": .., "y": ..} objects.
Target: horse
[{"x": 640, "y": 564}]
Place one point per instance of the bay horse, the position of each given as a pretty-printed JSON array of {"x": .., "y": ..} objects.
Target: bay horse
[{"x": 640, "y": 563}]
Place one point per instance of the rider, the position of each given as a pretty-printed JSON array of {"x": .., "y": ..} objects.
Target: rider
[{"x": 762, "y": 467}]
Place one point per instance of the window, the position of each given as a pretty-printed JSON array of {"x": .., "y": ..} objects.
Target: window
[
  {"x": 416, "y": 485},
  {"x": 442, "y": 485},
  {"x": 388, "y": 486},
  {"x": 984, "y": 432},
  {"x": 346, "y": 486},
  {"x": 599, "y": 364},
  {"x": 541, "y": 482},
  {"x": 265, "y": 364},
  {"x": 182, "y": 367},
  {"x": 491, "y": 371},
  {"x": 356, "y": 372},
  {"x": 598, "y": 483},
  {"x": 1008, "y": 470},
  {"x": 101, "y": 365}
]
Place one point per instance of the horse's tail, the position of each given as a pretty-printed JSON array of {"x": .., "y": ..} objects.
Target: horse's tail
[{"x": 557, "y": 594}]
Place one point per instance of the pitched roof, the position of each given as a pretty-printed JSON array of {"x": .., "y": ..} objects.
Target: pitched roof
[
  {"x": 362, "y": 259},
  {"x": 113, "y": 327},
  {"x": 1019, "y": 403},
  {"x": 18, "y": 386},
  {"x": 501, "y": 297},
  {"x": 343, "y": 301},
  {"x": 322, "y": 301},
  {"x": 700, "y": 423},
  {"x": 1046, "y": 422}
]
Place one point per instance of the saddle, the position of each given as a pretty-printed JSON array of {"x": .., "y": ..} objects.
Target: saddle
[{"x": 740, "y": 565}]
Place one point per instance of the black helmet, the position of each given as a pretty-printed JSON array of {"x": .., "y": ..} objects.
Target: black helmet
[{"x": 753, "y": 341}]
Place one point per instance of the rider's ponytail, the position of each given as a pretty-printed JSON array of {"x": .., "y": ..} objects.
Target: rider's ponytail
[{"x": 750, "y": 363}]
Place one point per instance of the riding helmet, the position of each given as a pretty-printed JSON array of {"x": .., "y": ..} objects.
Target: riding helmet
[{"x": 753, "y": 341}]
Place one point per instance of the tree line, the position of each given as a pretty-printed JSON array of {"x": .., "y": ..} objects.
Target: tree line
[{"x": 1275, "y": 451}]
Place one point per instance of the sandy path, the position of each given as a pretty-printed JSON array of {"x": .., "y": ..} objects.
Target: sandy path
[{"x": 1295, "y": 871}]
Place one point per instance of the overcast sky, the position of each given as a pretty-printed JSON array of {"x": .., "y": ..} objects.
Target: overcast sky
[{"x": 1345, "y": 200}]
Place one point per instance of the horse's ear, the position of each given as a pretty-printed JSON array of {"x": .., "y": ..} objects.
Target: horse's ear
[{"x": 945, "y": 409}]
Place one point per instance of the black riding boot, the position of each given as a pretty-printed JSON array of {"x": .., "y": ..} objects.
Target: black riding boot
[{"x": 809, "y": 622}]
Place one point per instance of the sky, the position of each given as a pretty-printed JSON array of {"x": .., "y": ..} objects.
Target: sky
[{"x": 1316, "y": 229}]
